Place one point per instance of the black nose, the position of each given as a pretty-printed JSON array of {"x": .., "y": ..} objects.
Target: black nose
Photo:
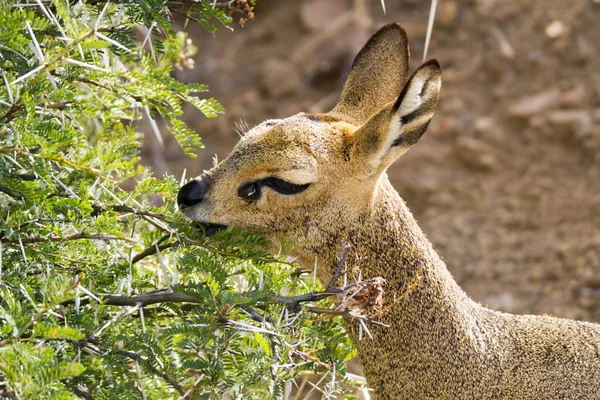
[{"x": 193, "y": 192}]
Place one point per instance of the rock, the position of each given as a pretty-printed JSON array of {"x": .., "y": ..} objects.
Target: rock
[
  {"x": 447, "y": 13},
  {"x": 589, "y": 298},
  {"x": 317, "y": 14},
  {"x": 483, "y": 124},
  {"x": 575, "y": 96},
  {"x": 530, "y": 105},
  {"x": 279, "y": 77},
  {"x": 476, "y": 154},
  {"x": 537, "y": 122},
  {"x": 590, "y": 139},
  {"x": 569, "y": 117},
  {"x": 556, "y": 29},
  {"x": 586, "y": 50}
]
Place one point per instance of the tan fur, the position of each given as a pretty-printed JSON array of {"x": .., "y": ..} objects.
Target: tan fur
[{"x": 440, "y": 344}]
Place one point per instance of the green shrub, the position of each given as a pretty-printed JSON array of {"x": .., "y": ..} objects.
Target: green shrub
[{"x": 106, "y": 294}]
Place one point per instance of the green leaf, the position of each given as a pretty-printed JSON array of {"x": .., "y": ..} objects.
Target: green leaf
[
  {"x": 82, "y": 217},
  {"x": 57, "y": 332},
  {"x": 187, "y": 139},
  {"x": 263, "y": 343},
  {"x": 209, "y": 107}
]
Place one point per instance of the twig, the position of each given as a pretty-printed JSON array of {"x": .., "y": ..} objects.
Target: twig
[
  {"x": 148, "y": 298},
  {"x": 59, "y": 160},
  {"x": 341, "y": 261},
  {"x": 5, "y": 393},
  {"x": 222, "y": 5},
  {"x": 24, "y": 225},
  {"x": 15, "y": 107},
  {"x": 134, "y": 356},
  {"x": 77, "y": 236},
  {"x": 9, "y": 192},
  {"x": 81, "y": 393},
  {"x": 166, "y": 296},
  {"x": 255, "y": 315},
  {"x": 344, "y": 313},
  {"x": 151, "y": 250}
]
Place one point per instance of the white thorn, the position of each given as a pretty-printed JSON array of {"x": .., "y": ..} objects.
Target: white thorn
[
  {"x": 364, "y": 326},
  {"x": 85, "y": 65},
  {"x": 429, "y": 28},
  {"x": 22, "y": 248},
  {"x": 141, "y": 308},
  {"x": 140, "y": 380},
  {"x": 182, "y": 180},
  {"x": 113, "y": 42},
  {"x": 99, "y": 20},
  {"x": 163, "y": 266},
  {"x": 27, "y": 75},
  {"x": 38, "y": 50},
  {"x": 92, "y": 295},
  {"x": 314, "y": 282},
  {"x": 154, "y": 127}
]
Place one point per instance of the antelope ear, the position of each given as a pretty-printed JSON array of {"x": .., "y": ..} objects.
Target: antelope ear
[
  {"x": 397, "y": 127},
  {"x": 378, "y": 73}
]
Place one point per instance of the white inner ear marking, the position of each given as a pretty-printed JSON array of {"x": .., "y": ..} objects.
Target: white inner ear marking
[
  {"x": 412, "y": 99},
  {"x": 411, "y": 102},
  {"x": 392, "y": 134}
]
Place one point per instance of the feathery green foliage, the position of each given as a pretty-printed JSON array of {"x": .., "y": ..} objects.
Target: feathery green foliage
[{"x": 76, "y": 246}]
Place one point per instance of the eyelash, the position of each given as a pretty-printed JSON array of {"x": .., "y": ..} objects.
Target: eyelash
[{"x": 252, "y": 191}]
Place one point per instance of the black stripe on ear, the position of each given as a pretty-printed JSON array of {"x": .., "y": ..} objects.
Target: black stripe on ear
[
  {"x": 408, "y": 118},
  {"x": 433, "y": 61},
  {"x": 402, "y": 95},
  {"x": 411, "y": 137}
]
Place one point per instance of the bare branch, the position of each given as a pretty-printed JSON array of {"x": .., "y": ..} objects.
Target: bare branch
[
  {"x": 126, "y": 209},
  {"x": 9, "y": 192},
  {"x": 148, "y": 298},
  {"x": 292, "y": 302},
  {"x": 77, "y": 236},
  {"x": 151, "y": 250}
]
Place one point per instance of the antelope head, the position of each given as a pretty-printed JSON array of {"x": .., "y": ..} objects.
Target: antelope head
[{"x": 311, "y": 177}]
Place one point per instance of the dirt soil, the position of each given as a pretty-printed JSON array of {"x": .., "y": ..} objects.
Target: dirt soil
[{"x": 506, "y": 182}]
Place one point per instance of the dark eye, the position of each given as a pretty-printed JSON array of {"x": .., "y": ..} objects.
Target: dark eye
[
  {"x": 253, "y": 190},
  {"x": 250, "y": 191},
  {"x": 284, "y": 187}
]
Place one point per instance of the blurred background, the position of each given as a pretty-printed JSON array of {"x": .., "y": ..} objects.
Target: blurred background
[{"x": 506, "y": 182}]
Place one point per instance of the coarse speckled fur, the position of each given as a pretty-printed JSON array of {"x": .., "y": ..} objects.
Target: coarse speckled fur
[{"x": 440, "y": 344}]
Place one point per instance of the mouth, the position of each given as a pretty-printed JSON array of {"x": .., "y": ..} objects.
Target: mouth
[{"x": 210, "y": 229}]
